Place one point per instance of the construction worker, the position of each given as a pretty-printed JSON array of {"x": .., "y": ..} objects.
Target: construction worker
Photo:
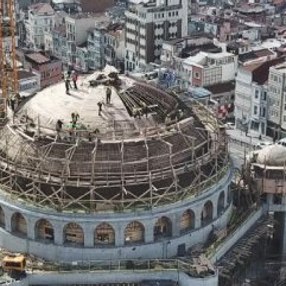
[
  {"x": 99, "y": 107},
  {"x": 74, "y": 78},
  {"x": 59, "y": 127},
  {"x": 108, "y": 95},
  {"x": 75, "y": 117},
  {"x": 137, "y": 113},
  {"x": 145, "y": 109},
  {"x": 67, "y": 83}
]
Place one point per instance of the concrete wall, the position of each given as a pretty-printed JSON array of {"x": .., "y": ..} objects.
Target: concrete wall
[
  {"x": 243, "y": 92},
  {"x": 150, "y": 248},
  {"x": 237, "y": 235},
  {"x": 161, "y": 249}
]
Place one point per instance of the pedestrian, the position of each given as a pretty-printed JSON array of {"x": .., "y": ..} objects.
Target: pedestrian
[
  {"x": 74, "y": 79},
  {"x": 67, "y": 83},
  {"x": 99, "y": 107},
  {"x": 108, "y": 95}
]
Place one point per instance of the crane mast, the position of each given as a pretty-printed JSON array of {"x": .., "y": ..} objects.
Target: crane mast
[{"x": 8, "y": 64}]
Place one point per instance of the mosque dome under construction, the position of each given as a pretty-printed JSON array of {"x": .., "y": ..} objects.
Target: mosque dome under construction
[{"x": 136, "y": 174}]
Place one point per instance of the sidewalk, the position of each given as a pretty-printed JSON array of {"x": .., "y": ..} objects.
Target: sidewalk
[{"x": 250, "y": 139}]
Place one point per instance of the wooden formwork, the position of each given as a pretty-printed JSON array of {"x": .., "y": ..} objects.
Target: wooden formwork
[{"x": 102, "y": 176}]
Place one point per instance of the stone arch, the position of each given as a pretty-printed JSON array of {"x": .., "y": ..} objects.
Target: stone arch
[
  {"x": 2, "y": 217},
  {"x": 104, "y": 234},
  {"x": 19, "y": 224},
  {"x": 220, "y": 203},
  {"x": 44, "y": 230},
  {"x": 187, "y": 221},
  {"x": 207, "y": 213},
  {"x": 162, "y": 228},
  {"x": 134, "y": 233},
  {"x": 73, "y": 234}
]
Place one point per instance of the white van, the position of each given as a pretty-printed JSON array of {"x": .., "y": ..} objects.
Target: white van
[{"x": 261, "y": 145}]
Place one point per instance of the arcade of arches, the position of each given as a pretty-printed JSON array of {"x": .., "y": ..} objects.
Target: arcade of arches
[{"x": 134, "y": 232}]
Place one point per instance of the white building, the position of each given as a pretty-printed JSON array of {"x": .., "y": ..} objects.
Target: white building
[
  {"x": 243, "y": 93},
  {"x": 148, "y": 25},
  {"x": 40, "y": 21},
  {"x": 205, "y": 69},
  {"x": 29, "y": 82},
  {"x": 259, "y": 106},
  {"x": 276, "y": 100},
  {"x": 77, "y": 28},
  {"x": 174, "y": 53},
  {"x": 255, "y": 97}
]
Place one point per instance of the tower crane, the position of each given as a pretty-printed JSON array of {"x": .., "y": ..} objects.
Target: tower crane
[{"x": 8, "y": 65}]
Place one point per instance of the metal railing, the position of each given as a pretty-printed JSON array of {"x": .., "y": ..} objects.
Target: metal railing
[{"x": 135, "y": 265}]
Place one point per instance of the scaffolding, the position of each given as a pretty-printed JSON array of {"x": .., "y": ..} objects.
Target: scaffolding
[{"x": 160, "y": 166}]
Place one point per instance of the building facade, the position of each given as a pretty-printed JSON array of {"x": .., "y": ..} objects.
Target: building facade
[
  {"x": 206, "y": 69},
  {"x": 40, "y": 20},
  {"x": 243, "y": 92},
  {"x": 78, "y": 41},
  {"x": 48, "y": 67},
  {"x": 76, "y": 32},
  {"x": 259, "y": 97},
  {"x": 105, "y": 45},
  {"x": 29, "y": 83},
  {"x": 148, "y": 25},
  {"x": 259, "y": 108},
  {"x": 276, "y": 101}
]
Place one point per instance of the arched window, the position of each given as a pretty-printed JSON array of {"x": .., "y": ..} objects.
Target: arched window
[
  {"x": 187, "y": 221},
  {"x": 104, "y": 234},
  {"x": 220, "y": 203},
  {"x": 2, "y": 218},
  {"x": 73, "y": 234},
  {"x": 162, "y": 228},
  {"x": 134, "y": 233},
  {"x": 19, "y": 224},
  {"x": 44, "y": 230},
  {"x": 207, "y": 213}
]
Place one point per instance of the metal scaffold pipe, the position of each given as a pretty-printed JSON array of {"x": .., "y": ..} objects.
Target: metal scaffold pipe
[{"x": 8, "y": 65}]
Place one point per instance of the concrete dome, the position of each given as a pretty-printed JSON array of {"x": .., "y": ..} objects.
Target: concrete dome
[
  {"x": 274, "y": 155},
  {"x": 53, "y": 104}
]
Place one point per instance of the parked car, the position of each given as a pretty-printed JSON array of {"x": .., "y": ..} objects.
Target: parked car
[{"x": 261, "y": 145}]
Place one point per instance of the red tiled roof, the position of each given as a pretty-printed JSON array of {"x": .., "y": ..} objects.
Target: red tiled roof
[
  {"x": 252, "y": 67},
  {"x": 42, "y": 8},
  {"x": 22, "y": 74},
  {"x": 260, "y": 75},
  {"x": 38, "y": 58},
  {"x": 263, "y": 53},
  {"x": 221, "y": 87}
]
